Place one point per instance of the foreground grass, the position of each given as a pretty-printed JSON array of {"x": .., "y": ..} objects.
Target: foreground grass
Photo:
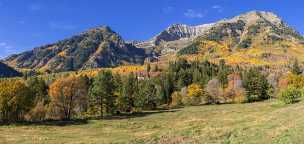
[{"x": 265, "y": 122}]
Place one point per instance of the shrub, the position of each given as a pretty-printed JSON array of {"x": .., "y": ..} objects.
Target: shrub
[
  {"x": 290, "y": 95},
  {"x": 176, "y": 99},
  {"x": 214, "y": 90},
  {"x": 196, "y": 95}
]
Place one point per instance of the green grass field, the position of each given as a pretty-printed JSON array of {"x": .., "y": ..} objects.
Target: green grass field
[{"x": 264, "y": 122}]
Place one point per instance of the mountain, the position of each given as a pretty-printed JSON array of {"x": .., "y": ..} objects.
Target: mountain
[
  {"x": 177, "y": 35},
  {"x": 6, "y": 71},
  {"x": 95, "y": 48},
  {"x": 255, "y": 37}
]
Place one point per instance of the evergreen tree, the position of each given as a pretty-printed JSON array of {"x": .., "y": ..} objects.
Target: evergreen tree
[
  {"x": 129, "y": 90},
  {"x": 102, "y": 92},
  {"x": 184, "y": 78},
  {"x": 295, "y": 69},
  {"x": 168, "y": 87},
  {"x": 146, "y": 98},
  {"x": 256, "y": 85},
  {"x": 39, "y": 88},
  {"x": 223, "y": 73}
]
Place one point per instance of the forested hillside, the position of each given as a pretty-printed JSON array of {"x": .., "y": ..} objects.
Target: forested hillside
[{"x": 6, "y": 71}]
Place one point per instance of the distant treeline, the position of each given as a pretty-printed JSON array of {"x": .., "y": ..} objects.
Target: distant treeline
[{"x": 182, "y": 83}]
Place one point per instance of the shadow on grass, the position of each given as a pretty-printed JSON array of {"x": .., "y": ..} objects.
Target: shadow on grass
[
  {"x": 85, "y": 121},
  {"x": 48, "y": 123},
  {"x": 137, "y": 114}
]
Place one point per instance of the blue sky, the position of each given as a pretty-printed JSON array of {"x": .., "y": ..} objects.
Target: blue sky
[{"x": 25, "y": 24}]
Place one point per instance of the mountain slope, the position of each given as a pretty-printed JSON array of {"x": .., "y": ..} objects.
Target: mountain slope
[
  {"x": 251, "y": 38},
  {"x": 255, "y": 37},
  {"x": 99, "y": 47},
  {"x": 6, "y": 71}
]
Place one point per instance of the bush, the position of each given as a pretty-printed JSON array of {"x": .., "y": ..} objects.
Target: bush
[
  {"x": 196, "y": 95},
  {"x": 176, "y": 99},
  {"x": 290, "y": 95}
]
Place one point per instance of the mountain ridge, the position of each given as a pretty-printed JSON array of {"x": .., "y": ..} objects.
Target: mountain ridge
[
  {"x": 96, "y": 47},
  {"x": 102, "y": 47}
]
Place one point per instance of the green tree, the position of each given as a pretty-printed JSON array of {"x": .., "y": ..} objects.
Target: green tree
[
  {"x": 223, "y": 72},
  {"x": 256, "y": 85},
  {"x": 295, "y": 69},
  {"x": 290, "y": 95},
  {"x": 102, "y": 93},
  {"x": 168, "y": 87},
  {"x": 39, "y": 88},
  {"x": 129, "y": 90},
  {"x": 146, "y": 98}
]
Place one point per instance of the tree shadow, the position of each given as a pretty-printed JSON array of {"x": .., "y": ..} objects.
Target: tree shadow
[
  {"x": 48, "y": 123},
  {"x": 86, "y": 121},
  {"x": 122, "y": 116}
]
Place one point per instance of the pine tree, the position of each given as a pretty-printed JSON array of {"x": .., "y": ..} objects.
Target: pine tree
[
  {"x": 256, "y": 85},
  {"x": 223, "y": 73},
  {"x": 102, "y": 92},
  {"x": 129, "y": 90},
  {"x": 295, "y": 69}
]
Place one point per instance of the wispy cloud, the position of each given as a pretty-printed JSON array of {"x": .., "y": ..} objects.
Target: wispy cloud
[
  {"x": 6, "y": 49},
  {"x": 61, "y": 26},
  {"x": 218, "y": 8},
  {"x": 190, "y": 13}
]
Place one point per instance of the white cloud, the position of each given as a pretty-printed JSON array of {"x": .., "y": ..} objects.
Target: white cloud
[
  {"x": 190, "y": 13},
  {"x": 6, "y": 49},
  {"x": 2, "y": 44},
  {"x": 218, "y": 8},
  {"x": 61, "y": 26}
]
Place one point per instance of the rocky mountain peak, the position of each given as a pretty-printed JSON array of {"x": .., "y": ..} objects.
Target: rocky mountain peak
[{"x": 257, "y": 16}]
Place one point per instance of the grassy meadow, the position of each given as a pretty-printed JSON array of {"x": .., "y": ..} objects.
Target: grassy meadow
[{"x": 263, "y": 122}]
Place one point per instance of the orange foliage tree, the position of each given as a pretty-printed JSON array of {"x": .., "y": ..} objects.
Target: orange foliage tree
[{"x": 68, "y": 96}]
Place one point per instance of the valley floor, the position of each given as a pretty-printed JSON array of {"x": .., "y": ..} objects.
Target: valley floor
[{"x": 264, "y": 122}]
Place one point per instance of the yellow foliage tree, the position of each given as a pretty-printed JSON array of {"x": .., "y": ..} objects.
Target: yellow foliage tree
[{"x": 16, "y": 99}]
